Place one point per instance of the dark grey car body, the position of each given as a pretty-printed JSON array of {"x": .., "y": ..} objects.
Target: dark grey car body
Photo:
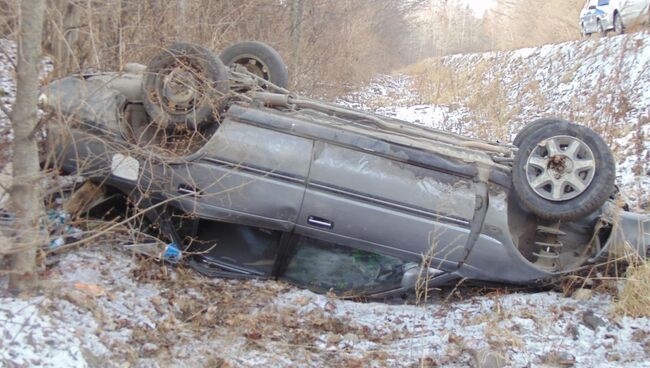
[{"x": 374, "y": 185}]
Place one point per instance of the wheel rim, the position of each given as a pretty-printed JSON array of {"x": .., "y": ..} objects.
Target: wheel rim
[
  {"x": 180, "y": 87},
  {"x": 560, "y": 168},
  {"x": 255, "y": 66}
]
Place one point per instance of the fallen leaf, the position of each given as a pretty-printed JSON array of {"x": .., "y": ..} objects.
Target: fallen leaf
[
  {"x": 330, "y": 307},
  {"x": 90, "y": 289},
  {"x": 253, "y": 335},
  {"x": 302, "y": 301}
]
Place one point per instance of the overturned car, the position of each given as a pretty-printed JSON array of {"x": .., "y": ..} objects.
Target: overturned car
[{"x": 257, "y": 182}]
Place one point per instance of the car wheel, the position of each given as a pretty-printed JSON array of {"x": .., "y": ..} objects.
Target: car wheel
[
  {"x": 183, "y": 85},
  {"x": 584, "y": 33},
  {"x": 618, "y": 24},
  {"x": 531, "y": 128},
  {"x": 563, "y": 171},
  {"x": 259, "y": 59},
  {"x": 601, "y": 29}
]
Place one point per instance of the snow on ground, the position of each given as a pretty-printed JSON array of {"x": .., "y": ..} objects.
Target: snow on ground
[
  {"x": 106, "y": 308},
  {"x": 603, "y": 83}
]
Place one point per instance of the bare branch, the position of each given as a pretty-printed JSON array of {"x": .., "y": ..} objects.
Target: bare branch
[{"x": 6, "y": 110}]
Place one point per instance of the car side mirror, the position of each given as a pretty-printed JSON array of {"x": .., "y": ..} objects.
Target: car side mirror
[
  {"x": 412, "y": 274},
  {"x": 592, "y": 7}
]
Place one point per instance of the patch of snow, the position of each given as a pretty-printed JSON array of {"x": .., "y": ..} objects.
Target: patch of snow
[
  {"x": 8, "y": 83},
  {"x": 30, "y": 338}
]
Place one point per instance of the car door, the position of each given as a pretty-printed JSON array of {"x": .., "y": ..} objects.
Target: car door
[
  {"x": 606, "y": 9},
  {"x": 239, "y": 198},
  {"x": 246, "y": 174},
  {"x": 373, "y": 203}
]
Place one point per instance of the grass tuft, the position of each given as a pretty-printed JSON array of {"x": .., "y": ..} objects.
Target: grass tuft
[{"x": 634, "y": 299}]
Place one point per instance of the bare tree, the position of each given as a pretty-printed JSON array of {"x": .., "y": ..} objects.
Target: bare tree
[
  {"x": 327, "y": 44},
  {"x": 25, "y": 193},
  {"x": 64, "y": 19},
  {"x": 516, "y": 23},
  {"x": 297, "y": 9}
]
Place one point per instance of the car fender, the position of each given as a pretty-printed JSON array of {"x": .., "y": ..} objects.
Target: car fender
[{"x": 629, "y": 237}]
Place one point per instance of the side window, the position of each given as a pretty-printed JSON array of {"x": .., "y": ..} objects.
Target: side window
[
  {"x": 323, "y": 266},
  {"x": 232, "y": 247},
  {"x": 603, "y": 2}
]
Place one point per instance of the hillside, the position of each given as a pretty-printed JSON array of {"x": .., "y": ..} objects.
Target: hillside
[{"x": 601, "y": 83}]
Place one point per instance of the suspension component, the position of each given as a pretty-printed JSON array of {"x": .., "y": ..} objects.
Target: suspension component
[{"x": 548, "y": 256}]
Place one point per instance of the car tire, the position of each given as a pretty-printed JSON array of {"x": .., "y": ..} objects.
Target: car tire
[
  {"x": 583, "y": 32},
  {"x": 183, "y": 85},
  {"x": 560, "y": 156},
  {"x": 259, "y": 59},
  {"x": 601, "y": 29},
  {"x": 532, "y": 127},
  {"x": 618, "y": 24}
]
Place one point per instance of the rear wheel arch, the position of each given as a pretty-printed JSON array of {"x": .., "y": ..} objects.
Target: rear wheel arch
[{"x": 617, "y": 23}]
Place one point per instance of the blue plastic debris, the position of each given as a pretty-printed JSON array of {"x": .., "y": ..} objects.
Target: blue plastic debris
[
  {"x": 173, "y": 254},
  {"x": 57, "y": 223},
  {"x": 57, "y": 242}
]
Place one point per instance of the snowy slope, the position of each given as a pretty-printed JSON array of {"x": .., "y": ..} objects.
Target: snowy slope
[{"x": 602, "y": 83}]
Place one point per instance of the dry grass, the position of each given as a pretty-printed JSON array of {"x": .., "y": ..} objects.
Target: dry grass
[
  {"x": 634, "y": 299},
  {"x": 475, "y": 87}
]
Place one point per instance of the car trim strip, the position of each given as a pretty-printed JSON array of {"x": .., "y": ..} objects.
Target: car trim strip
[
  {"x": 394, "y": 205},
  {"x": 257, "y": 170}
]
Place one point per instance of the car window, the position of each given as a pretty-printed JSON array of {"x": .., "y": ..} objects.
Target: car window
[
  {"x": 323, "y": 266},
  {"x": 233, "y": 247}
]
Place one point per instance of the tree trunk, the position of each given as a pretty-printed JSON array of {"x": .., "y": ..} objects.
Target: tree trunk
[
  {"x": 182, "y": 33},
  {"x": 66, "y": 36},
  {"x": 297, "y": 11},
  {"x": 25, "y": 192}
]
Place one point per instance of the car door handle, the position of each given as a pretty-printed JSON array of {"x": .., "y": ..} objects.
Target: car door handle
[{"x": 320, "y": 222}]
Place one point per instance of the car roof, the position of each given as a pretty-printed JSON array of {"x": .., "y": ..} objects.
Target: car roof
[{"x": 405, "y": 145}]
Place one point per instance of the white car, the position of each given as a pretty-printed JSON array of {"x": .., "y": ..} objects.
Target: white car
[{"x": 602, "y": 16}]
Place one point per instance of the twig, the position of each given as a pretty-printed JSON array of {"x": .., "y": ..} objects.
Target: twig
[
  {"x": 196, "y": 314},
  {"x": 13, "y": 65},
  {"x": 6, "y": 110},
  {"x": 40, "y": 124}
]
